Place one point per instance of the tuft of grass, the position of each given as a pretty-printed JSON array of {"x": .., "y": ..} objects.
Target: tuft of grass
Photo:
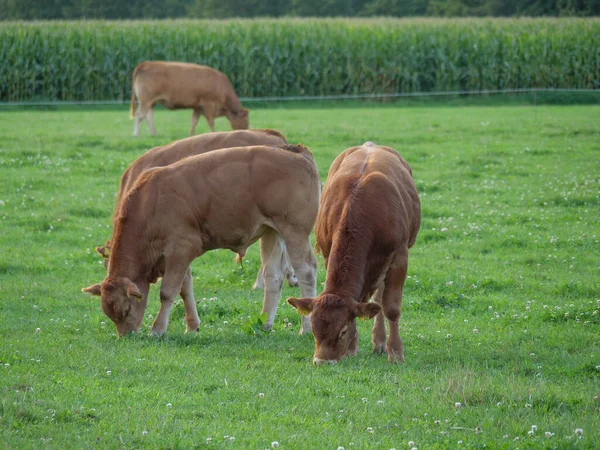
[{"x": 501, "y": 306}]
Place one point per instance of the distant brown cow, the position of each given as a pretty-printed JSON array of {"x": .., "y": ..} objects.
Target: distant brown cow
[
  {"x": 178, "y": 85},
  {"x": 223, "y": 199},
  {"x": 370, "y": 216},
  {"x": 195, "y": 145}
]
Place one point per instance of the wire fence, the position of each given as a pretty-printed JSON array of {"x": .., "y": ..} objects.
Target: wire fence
[{"x": 329, "y": 97}]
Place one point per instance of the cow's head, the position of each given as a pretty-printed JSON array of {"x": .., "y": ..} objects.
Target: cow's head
[
  {"x": 104, "y": 251},
  {"x": 240, "y": 120},
  {"x": 122, "y": 302},
  {"x": 333, "y": 322}
]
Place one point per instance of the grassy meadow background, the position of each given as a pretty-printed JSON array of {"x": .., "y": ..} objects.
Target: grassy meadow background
[{"x": 501, "y": 317}]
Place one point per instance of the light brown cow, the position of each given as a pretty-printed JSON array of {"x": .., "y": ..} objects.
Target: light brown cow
[
  {"x": 178, "y": 85},
  {"x": 224, "y": 199},
  {"x": 195, "y": 145},
  {"x": 370, "y": 216}
]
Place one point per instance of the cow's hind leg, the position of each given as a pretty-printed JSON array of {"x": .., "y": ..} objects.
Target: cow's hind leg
[
  {"x": 192, "y": 321},
  {"x": 391, "y": 302},
  {"x": 378, "y": 333},
  {"x": 287, "y": 268},
  {"x": 149, "y": 116},
  {"x": 304, "y": 262},
  {"x": 271, "y": 250},
  {"x": 289, "y": 271},
  {"x": 176, "y": 271},
  {"x": 144, "y": 112}
]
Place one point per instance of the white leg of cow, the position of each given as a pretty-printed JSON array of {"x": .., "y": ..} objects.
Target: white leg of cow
[
  {"x": 192, "y": 321},
  {"x": 195, "y": 116},
  {"x": 172, "y": 284},
  {"x": 392, "y": 305},
  {"x": 260, "y": 278},
  {"x": 304, "y": 263},
  {"x": 271, "y": 249},
  {"x": 290, "y": 275},
  {"x": 138, "y": 119},
  {"x": 378, "y": 333},
  {"x": 150, "y": 121}
]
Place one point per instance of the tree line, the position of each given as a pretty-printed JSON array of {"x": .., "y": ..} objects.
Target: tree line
[{"x": 220, "y": 9}]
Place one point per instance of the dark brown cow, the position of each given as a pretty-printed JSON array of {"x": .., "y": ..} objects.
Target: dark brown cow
[
  {"x": 223, "y": 199},
  {"x": 196, "y": 145},
  {"x": 178, "y": 85},
  {"x": 370, "y": 216}
]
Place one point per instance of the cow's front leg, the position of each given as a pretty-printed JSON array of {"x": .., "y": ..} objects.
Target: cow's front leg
[
  {"x": 192, "y": 321},
  {"x": 271, "y": 249},
  {"x": 195, "y": 116},
  {"x": 172, "y": 284}
]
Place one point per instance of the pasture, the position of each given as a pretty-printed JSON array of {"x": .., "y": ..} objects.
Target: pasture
[{"x": 501, "y": 317}]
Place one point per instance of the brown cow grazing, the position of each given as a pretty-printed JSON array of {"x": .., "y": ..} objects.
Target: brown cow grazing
[
  {"x": 195, "y": 145},
  {"x": 224, "y": 199},
  {"x": 180, "y": 86},
  {"x": 370, "y": 216}
]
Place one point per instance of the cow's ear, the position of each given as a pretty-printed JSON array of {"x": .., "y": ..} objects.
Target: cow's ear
[
  {"x": 133, "y": 292},
  {"x": 104, "y": 251},
  {"x": 366, "y": 310},
  {"x": 304, "y": 306},
  {"x": 94, "y": 289}
]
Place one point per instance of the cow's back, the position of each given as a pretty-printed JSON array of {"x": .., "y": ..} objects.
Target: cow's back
[
  {"x": 370, "y": 189},
  {"x": 168, "y": 154},
  {"x": 180, "y": 85},
  {"x": 232, "y": 194}
]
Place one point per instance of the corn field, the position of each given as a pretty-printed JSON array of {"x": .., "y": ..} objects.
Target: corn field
[{"x": 89, "y": 60}]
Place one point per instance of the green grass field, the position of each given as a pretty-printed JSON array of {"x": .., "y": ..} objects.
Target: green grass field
[{"x": 501, "y": 318}]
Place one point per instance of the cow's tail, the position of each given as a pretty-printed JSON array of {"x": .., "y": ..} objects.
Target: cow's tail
[{"x": 132, "y": 103}]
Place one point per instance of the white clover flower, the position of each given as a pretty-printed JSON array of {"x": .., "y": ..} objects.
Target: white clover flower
[
  {"x": 261, "y": 395},
  {"x": 530, "y": 433},
  {"x": 145, "y": 433},
  {"x": 108, "y": 372},
  {"x": 475, "y": 330},
  {"x": 169, "y": 405},
  {"x": 457, "y": 405},
  {"x": 579, "y": 432},
  {"x": 370, "y": 430},
  {"x": 411, "y": 444},
  {"x": 534, "y": 428},
  {"x": 274, "y": 444},
  {"x": 548, "y": 434},
  {"x": 37, "y": 330}
]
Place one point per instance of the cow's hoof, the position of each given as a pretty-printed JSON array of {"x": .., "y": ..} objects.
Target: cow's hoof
[
  {"x": 395, "y": 358},
  {"x": 192, "y": 329},
  {"x": 379, "y": 349},
  {"x": 156, "y": 333}
]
